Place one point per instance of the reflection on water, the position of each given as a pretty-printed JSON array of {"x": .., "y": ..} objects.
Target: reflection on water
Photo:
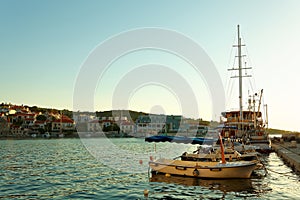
[
  {"x": 225, "y": 185},
  {"x": 64, "y": 169}
]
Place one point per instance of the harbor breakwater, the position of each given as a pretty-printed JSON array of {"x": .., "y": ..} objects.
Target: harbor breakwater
[{"x": 289, "y": 152}]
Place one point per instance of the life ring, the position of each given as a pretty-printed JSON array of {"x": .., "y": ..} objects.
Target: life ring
[{"x": 196, "y": 172}]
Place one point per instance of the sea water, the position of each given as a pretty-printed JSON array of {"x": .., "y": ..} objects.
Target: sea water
[{"x": 90, "y": 168}]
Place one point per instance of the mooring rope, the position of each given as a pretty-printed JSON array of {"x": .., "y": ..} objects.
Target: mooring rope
[{"x": 281, "y": 173}]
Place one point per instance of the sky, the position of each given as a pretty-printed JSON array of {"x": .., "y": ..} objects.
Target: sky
[{"x": 44, "y": 46}]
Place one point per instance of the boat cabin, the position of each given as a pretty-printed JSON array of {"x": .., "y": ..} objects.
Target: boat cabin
[{"x": 234, "y": 126}]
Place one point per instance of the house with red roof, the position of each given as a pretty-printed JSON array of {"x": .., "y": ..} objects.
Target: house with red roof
[
  {"x": 22, "y": 117},
  {"x": 38, "y": 124},
  {"x": 63, "y": 124}
]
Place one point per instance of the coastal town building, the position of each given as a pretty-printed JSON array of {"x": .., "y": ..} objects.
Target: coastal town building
[
  {"x": 152, "y": 124},
  {"x": 106, "y": 123},
  {"x": 21, "y": 121},
  {"x": 16, "y": 130},
  {"x": 173, "y": 123},
  {"x": 63, "y": 124},
  {"x": 83, "y": 117},
  {"x": 93, "y": 126},
  {"x": 127, "y": 127}
]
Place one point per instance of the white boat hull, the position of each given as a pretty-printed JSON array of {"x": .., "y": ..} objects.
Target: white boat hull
[{"x": 240, "y": 169}]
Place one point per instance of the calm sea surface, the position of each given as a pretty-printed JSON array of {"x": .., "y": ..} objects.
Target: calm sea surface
[{"x": 64, "y": 168}]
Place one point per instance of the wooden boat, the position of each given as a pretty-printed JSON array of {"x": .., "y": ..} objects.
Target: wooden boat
[
  {"x": 217, "y": 170},
  {"x": 205, "y": 169}
]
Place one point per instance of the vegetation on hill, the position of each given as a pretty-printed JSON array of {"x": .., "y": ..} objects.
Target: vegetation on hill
[{"x": 283, "y": 132}]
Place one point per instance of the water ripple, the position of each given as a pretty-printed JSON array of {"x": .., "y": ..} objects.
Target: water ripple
[{"x": 63, "y": 168}]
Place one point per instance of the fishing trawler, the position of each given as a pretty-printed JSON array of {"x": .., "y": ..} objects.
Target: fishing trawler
[{"x": 246, "y": 125}]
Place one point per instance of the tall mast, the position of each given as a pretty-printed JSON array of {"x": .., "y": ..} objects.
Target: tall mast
[{"x": 240, "y": 73}]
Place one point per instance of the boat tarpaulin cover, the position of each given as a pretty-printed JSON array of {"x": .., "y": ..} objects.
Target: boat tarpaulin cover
[{"x": 180, "y": 139}]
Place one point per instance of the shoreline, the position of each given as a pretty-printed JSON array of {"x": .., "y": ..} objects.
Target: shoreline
[{"x": 74, "y": 135}]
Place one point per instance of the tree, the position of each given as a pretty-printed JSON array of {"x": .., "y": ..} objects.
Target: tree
[
  {"x": 112, "y": 127},
  {"x": 41, "y": 118},
  {"x": 67, "y": 113}
]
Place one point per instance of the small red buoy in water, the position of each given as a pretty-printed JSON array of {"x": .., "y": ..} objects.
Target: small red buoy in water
[{"x": 141, "y": 162}]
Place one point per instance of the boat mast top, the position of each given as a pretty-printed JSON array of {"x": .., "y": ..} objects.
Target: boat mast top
[{"x": 240, "y": 69}]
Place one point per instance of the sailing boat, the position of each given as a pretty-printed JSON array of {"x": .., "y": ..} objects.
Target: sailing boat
[
  {"x": 246, "y": 124},
  {"x": 238, "y": 123}
]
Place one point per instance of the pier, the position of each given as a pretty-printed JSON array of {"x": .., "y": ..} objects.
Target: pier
[{"x": 289, "y": 152}]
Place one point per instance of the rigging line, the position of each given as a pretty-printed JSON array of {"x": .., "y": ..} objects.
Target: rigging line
[
  {"x": 229, "y": 91},
  {"x": 234, "y": 60},
  {"x": 231, "y": 50},
  {"x": 247, "y": 52},
  {"x": 251, "y": 64},
  {"x": 229, "y": 88},
  {"x": 231, "y": 81},
  {"x": 228, "y": 81},
  {"x": 251, "y": 86},
  {"x": 234, "y": 40},
  {"x": 253, "y": 80},
  {"x": 230, "y": 94},
  {"x": 229, "y": 63}
]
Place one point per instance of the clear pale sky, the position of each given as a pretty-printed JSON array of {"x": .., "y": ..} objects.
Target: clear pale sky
[{"x": 43, "y": 45}]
